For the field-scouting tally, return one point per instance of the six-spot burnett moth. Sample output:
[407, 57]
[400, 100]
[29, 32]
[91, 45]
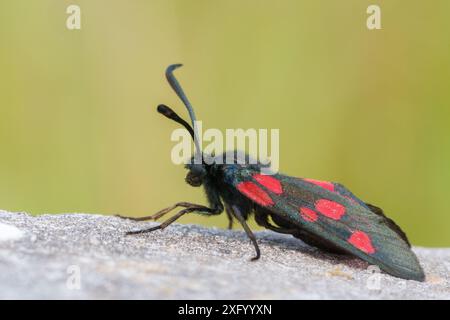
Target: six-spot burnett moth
[323, 214]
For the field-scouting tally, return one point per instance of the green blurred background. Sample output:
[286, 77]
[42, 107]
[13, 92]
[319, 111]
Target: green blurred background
[370, 109]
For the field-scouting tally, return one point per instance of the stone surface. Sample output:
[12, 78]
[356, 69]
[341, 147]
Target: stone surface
[86, 256]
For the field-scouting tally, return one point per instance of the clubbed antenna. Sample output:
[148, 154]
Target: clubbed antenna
[169, 113]
[180, 93]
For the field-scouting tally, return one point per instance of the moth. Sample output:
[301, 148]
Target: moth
[322, 214]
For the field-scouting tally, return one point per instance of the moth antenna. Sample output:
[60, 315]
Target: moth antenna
[169, 113]
[180, 93]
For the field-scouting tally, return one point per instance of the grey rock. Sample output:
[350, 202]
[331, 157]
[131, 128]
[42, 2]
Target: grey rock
[87, 256]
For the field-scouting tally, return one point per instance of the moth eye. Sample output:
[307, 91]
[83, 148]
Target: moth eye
[194, 179]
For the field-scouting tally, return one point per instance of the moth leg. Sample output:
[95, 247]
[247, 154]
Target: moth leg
[216, 208]
[262, 218]
[213, 199]
[168, 221]
[237, 213]
[164, 211]
[229, 216]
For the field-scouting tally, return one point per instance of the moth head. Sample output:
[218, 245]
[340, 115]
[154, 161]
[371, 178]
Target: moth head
[196, 174]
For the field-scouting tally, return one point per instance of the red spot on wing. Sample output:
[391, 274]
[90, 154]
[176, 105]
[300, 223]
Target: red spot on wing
[269, 182]
[361, 241]
[324, 184]
[308, 214]
[330, 209]
[255, 193]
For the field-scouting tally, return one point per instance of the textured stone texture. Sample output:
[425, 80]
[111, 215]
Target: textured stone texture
[86, 256]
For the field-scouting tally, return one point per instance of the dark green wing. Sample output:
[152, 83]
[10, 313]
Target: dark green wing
[331, 212]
